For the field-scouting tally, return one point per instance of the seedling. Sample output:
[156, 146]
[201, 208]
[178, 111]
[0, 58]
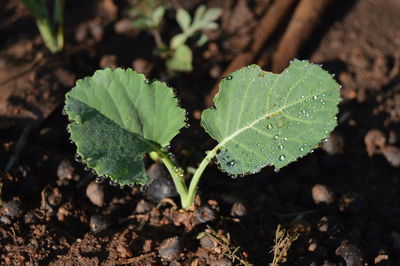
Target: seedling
[178, 55]
[259, 119]
[50, 24]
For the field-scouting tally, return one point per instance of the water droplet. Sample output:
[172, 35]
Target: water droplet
[303, 112]
[229, 77]
[99, 179]
[93, 171]
[234, 176]
[281, 157]
[315, 97]
[113, 183]
[262, 150]
[231, 163]
[276, 137]
[64, 112]
[143, 189]
[147, 81]
[187, 125]
[280, 147]
[78, 158]
[302, 97]
[269, 126]
[301, 148]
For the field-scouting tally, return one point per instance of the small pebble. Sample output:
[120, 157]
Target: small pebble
[392, 155]
[321, 194]
[65, 170]
[204, 214]
[5, 220]
[161, 186]
[30, 218]
[170, 249]
[142, 66]
[238, 209]
[206, 243]
[99, 223]
[333, 145]
[108, 61]
[350, 253]
[143, 206]
[95, 193]
[12, 208]
[123, 26]
[374, 141]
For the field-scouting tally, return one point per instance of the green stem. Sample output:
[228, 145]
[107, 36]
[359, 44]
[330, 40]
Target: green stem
[189, 200]
[174, 171]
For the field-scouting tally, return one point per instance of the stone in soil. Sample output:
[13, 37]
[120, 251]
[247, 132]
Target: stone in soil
[321, 194]
[12, 208]
[161, 186]
[143, 206]
[95, 193]
[99, 223]
[238, 209]
[334, 144]
[392, 155]
[350, 253]
[170, 249]
[204, 214]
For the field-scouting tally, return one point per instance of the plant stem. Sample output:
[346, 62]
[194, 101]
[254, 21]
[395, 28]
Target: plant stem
[189, 200]
[173, 169]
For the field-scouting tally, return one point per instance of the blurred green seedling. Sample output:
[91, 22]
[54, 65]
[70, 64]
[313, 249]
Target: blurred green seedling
[178, 56]
[50, 24]
[258, 119]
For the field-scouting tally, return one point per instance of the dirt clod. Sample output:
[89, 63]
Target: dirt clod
[99, 223]
[12, 208]
[321, 194]
[204, 214]
[392, 155]
[170, 249]
[350, 253]
[161, 186]
[95, 193]
[238, 209]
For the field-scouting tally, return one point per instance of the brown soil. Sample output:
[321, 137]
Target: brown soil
[341, 203]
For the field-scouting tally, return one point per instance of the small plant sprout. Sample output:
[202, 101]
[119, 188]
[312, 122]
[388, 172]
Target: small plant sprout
[259, 119]
[178, 55]
[50, 24]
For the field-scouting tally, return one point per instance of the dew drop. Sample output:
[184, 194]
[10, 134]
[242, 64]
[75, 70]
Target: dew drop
[276, 137]
[187, 125]
[280, 147]
[269, 126]
[113, 183]
[229, 77]
[99, 179]
[147, 81]
[301, 148]
[231, 163]
[315, 97]
[64, 112]
[281, 157]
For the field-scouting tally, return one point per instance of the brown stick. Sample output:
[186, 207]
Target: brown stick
[266, 27]
[301, 26]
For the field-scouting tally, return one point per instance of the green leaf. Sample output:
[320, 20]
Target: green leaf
[183, 19]
[178, 40]
[118, 116]
[157, 15]
[212, 14]
[263, 119]
[181, 60]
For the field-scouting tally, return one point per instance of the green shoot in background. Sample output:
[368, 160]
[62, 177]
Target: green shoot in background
[259, 119]
[178, 56]
[50, 24]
